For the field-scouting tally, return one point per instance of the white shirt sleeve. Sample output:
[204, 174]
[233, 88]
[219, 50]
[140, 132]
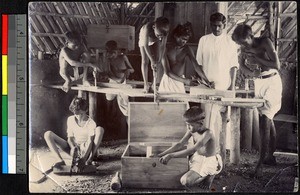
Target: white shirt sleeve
[91, 127]
[199, 56]
[234, 55]
[70, 132]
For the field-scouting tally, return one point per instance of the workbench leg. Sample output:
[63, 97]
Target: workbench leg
[223, 139]
[246, 128]
[92, 105]
[235, 135]
[255, 130]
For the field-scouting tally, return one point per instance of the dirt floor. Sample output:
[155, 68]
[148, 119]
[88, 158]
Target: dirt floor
[233, 178]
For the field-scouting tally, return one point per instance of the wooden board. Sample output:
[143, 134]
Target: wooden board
[65, 170]
[198, 90]
[98, 35]
[152, 122]
[138, 171]
[244, 100]
[36, 175]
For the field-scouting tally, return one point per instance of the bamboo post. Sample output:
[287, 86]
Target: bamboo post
[271, 21]
[255, 130]
[92, 105]
[246, 128]
[235, 135]
[278, 26]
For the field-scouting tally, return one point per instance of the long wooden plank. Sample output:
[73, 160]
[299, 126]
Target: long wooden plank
[245, 100]
[198, 90]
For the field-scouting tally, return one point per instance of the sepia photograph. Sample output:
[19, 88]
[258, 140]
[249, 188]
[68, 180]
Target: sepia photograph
[163, 97]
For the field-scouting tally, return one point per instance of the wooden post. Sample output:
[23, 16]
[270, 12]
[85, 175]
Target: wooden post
[122, 15]
[255, 130]
[159, 9]
[246, 128]
[222, 7]
[271, 22]
[235, 135]
[223, 139]
[278, 27]
[92, 105]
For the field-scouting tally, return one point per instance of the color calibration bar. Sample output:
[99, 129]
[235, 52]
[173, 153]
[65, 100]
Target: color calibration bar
[4, 94]
[13, 94]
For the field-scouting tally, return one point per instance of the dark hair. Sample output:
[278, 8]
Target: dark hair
[78, 103]
[73, 36]
[111, 45]
[241, 32]
[162, 23]
[183, 30]
[217, 17]
[194, 114]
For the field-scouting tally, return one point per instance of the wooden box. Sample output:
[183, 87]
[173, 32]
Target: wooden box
[152, 129]
[98, 35]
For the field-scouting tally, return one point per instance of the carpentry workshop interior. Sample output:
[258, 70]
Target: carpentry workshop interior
[163, 97]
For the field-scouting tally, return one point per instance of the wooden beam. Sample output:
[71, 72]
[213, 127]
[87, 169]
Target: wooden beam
[60, 8]
[293, 15]
[249, 17]
[58, 20]
[68, 16]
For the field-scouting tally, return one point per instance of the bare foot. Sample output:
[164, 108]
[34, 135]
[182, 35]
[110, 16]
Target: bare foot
[206, 183]
[66, 86]
[146, 89]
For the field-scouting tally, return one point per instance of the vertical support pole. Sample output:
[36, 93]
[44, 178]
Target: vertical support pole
[271, 22]
[255, 130]
[278, 27]
[235, 135]
[223, 139]
[222, 7]
[92, 105]
[122, 16]
[246, 128]
[159, 9]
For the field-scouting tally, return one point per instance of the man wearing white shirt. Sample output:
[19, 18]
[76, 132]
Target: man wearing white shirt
[217, 53]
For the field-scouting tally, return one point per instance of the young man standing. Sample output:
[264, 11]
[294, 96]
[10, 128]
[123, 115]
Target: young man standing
[259, 52]
[217, 53]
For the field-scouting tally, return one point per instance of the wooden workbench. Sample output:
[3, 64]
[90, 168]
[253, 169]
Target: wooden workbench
[129, 90]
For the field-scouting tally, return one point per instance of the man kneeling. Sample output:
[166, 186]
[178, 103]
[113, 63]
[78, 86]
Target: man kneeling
[204, 162]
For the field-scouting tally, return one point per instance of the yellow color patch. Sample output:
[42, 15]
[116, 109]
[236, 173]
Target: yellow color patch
[4, 74]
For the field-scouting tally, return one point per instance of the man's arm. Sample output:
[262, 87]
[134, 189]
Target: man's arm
[74, 62]
[169, 73]
[233, 78]
[198, 68]
[189, 151]
[82, 160]
[145, 43]
[128, 64]
[72, 144]
[178, 145]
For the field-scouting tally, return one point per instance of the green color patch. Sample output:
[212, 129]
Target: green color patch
[4, 115]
